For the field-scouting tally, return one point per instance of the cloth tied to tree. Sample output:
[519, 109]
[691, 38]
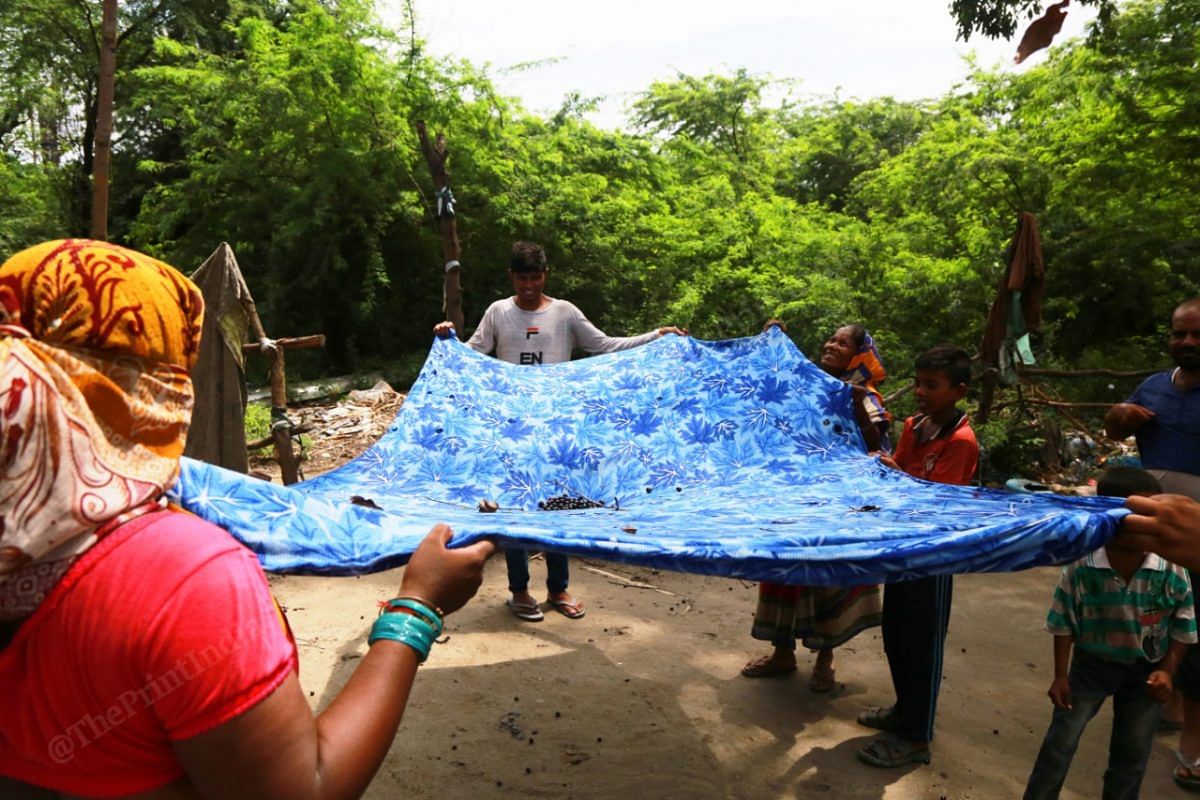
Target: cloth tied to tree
[96, 342]
[1017, 309]
[866, 370]
[445, 202]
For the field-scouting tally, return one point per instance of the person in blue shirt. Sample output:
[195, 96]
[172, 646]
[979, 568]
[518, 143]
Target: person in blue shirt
[1164, 411]
[1164, 414]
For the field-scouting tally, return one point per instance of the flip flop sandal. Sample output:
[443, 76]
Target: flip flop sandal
[571, 609]
[1190, 780]
[765, 668]
[880, 717]
[526, 611]
[893, 751]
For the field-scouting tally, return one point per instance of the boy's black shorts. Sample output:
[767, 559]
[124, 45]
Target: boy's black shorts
[1187, 679]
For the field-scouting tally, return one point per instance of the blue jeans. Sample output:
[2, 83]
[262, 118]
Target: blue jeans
[1135, 716]
[557, 572]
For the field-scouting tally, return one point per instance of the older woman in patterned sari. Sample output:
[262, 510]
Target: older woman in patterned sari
[824, 617]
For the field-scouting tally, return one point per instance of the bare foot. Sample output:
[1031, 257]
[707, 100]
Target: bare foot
[822, 678]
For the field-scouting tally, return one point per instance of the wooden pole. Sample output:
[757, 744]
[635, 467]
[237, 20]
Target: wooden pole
[991, 378]
[266, 440]
[1087, 373]
[104, 120]
[1062, 407]
[1033, 401]
[292, 343]
[281, 428]
[436, 155]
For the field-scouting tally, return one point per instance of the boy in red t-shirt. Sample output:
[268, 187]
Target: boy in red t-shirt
[936, 445]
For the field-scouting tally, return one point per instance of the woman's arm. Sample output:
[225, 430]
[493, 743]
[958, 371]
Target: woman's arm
[277, 749]
[870, 432]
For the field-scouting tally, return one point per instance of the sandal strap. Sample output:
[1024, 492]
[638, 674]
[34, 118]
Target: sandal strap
[886, 748]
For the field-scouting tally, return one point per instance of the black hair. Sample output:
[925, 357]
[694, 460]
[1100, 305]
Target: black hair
[949, 359]
[1126, 481]
[527, 257]
[858, 332]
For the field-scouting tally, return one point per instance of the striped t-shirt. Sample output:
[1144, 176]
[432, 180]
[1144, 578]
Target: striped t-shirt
[1119, 622]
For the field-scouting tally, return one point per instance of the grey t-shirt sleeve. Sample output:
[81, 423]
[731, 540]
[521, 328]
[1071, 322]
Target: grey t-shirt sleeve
[594, 340]
[483, 340]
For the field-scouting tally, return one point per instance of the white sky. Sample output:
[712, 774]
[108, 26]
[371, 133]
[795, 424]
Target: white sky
[616, 48]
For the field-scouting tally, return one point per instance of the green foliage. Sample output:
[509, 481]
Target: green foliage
[286, 129]
[258, 426]
[258, 422]
[30, 210]
[998, 19]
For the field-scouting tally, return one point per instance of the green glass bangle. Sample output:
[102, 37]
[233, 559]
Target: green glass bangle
[417, 607]
[406, 629]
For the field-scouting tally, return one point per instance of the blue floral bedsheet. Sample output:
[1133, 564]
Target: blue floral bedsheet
[737, 458]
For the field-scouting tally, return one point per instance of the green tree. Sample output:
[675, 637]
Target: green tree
[829, 145]
[50, 54]
[998, 19]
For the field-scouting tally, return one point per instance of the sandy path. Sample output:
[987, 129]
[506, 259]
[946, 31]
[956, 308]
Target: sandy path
[642, 698]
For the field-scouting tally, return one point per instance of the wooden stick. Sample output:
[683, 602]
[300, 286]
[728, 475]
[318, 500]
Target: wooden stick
[620, 580]
[266, 440]
[1087, 373]
[1062, 409]
[908, 387]
[1064, 404]
[991, 379]
[281, 434]
[289, 343]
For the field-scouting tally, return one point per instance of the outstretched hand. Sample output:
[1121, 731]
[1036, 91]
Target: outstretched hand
[884, 459]
[443, 329]
[1164, 524]
[672, 329]
[444, 577]
[774, 323]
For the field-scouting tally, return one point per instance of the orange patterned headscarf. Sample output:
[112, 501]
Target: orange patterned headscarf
[96, 343]
[866, 370]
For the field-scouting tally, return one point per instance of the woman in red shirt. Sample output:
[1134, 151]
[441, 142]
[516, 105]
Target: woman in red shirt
[140, 649]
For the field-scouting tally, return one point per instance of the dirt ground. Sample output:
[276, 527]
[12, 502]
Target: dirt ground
[642, 697]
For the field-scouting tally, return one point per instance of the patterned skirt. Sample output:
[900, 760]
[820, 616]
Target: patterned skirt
[819, 616]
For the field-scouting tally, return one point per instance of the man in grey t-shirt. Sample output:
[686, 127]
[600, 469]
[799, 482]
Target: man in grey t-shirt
[531, 328]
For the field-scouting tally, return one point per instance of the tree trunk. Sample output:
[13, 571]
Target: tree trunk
[436, 154]
[104, 120]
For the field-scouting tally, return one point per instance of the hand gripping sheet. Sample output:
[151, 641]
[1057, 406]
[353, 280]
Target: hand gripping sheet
[737, 458]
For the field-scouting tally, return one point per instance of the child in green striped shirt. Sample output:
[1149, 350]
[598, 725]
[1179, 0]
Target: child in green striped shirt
[1128, 615]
